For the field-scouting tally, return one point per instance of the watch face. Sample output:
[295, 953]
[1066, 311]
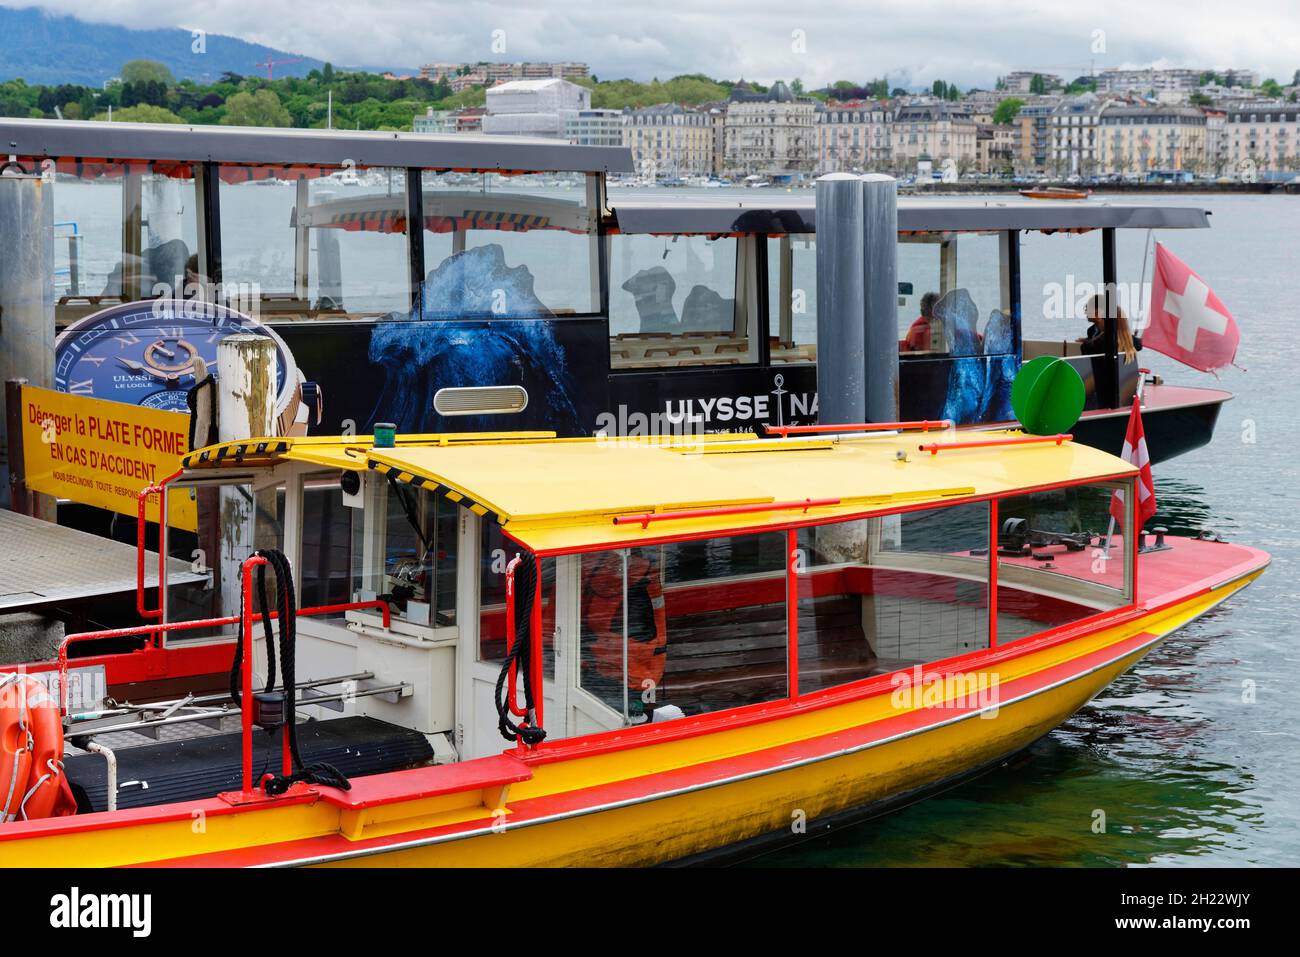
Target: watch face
[143, 352]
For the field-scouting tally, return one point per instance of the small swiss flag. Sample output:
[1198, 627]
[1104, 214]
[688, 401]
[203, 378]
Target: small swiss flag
[1135, 453]
[1188, 322]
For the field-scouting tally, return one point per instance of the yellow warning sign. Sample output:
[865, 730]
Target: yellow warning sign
[103, 453]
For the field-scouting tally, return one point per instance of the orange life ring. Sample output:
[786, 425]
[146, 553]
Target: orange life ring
[32, 782]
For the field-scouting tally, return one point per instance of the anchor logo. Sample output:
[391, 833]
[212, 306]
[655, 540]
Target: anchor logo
[779, 379]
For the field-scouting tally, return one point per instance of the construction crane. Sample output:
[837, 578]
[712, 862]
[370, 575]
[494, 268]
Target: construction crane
[270, 64]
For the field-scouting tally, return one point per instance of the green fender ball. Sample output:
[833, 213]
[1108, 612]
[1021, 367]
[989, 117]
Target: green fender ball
[1047, 396]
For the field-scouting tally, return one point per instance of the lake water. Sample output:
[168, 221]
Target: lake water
[1187, 772]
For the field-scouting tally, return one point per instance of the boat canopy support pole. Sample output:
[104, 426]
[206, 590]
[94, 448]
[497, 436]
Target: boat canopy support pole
[1110, 398]
[857, 289]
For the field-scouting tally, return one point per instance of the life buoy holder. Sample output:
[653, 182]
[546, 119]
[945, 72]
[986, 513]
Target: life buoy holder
[32, 782]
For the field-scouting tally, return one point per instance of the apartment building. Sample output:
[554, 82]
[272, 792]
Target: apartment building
[936, 130]
[770, 134]
[669, 140]
[1266, 135]
[853, 136]
[1138, 139]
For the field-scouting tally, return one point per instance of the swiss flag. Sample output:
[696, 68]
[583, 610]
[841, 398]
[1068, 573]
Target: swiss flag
[1187, 321]
[1135, 453]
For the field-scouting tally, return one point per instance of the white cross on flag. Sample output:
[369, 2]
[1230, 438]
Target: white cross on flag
[1135, 453]
[1188, 322]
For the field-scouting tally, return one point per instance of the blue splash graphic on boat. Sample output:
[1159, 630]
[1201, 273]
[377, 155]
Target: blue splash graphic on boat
[503, 336]
[981, 371]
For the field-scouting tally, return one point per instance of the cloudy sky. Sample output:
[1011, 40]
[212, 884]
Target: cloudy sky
[910, 41]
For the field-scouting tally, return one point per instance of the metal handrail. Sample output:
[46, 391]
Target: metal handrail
[934, 448]
[645, 518]
[155, 629]
[918, 425]
[142, 502]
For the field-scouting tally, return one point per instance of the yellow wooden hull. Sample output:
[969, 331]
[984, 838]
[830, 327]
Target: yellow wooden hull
[586, 820]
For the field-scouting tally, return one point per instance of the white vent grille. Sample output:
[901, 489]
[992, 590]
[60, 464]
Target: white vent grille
[481, 400]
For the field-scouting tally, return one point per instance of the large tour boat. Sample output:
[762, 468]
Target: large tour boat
[668, 649]
[486, 283]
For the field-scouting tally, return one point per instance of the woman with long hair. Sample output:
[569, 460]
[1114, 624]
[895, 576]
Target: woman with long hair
[1095, 340]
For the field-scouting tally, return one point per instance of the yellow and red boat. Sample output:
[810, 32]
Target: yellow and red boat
[513, 649]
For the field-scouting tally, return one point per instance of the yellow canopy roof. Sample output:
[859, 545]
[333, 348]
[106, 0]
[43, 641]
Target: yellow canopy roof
[564, 494]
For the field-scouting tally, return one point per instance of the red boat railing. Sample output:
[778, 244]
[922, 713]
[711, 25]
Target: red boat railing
[645, 518]
[142, 502]
[918, 425]
[934, 448]
[154, 631]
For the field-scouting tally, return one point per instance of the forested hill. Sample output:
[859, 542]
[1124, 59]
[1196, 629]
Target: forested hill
[44, 48]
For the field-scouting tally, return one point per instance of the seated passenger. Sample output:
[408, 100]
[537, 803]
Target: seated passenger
[1095, 339]
[918, 336]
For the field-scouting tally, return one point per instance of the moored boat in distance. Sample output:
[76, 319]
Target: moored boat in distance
[669, 649]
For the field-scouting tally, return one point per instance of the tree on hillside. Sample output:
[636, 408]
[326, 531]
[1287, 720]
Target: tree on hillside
[259, 108]
[147, 71]
[142, 113]
[1037, 84]
[1007, 110]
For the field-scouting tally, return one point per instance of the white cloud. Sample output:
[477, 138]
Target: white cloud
[970, 43]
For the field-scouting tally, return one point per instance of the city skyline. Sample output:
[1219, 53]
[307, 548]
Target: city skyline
[910, 44]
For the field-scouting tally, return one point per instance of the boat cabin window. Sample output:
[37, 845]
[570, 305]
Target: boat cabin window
[509, 247]
[699, 626]
[954, 295]
[1053, 565]
[680, 301]
[325, 574]
[123, 231]
[884, 593]
[404, 548]
[792, 298]
[311, 242]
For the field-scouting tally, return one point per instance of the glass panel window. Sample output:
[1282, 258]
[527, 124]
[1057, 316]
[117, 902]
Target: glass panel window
[405, 552]
[325, 576]
[792, 298]
[1054, 566]
[303, 242]
[880, 594]
[122, 232]
[508, 247]
[686, 628]
[954, 296]
[677, 301]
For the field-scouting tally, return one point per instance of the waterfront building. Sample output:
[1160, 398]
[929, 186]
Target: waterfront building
[1267, 135]
[594, 127]
[997, 146]
[1035, 135]
[1073, 125]
[669, 140]
[1138, 139]
[770, 134]
[933, 129]
[853, 136]
[534, 107]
